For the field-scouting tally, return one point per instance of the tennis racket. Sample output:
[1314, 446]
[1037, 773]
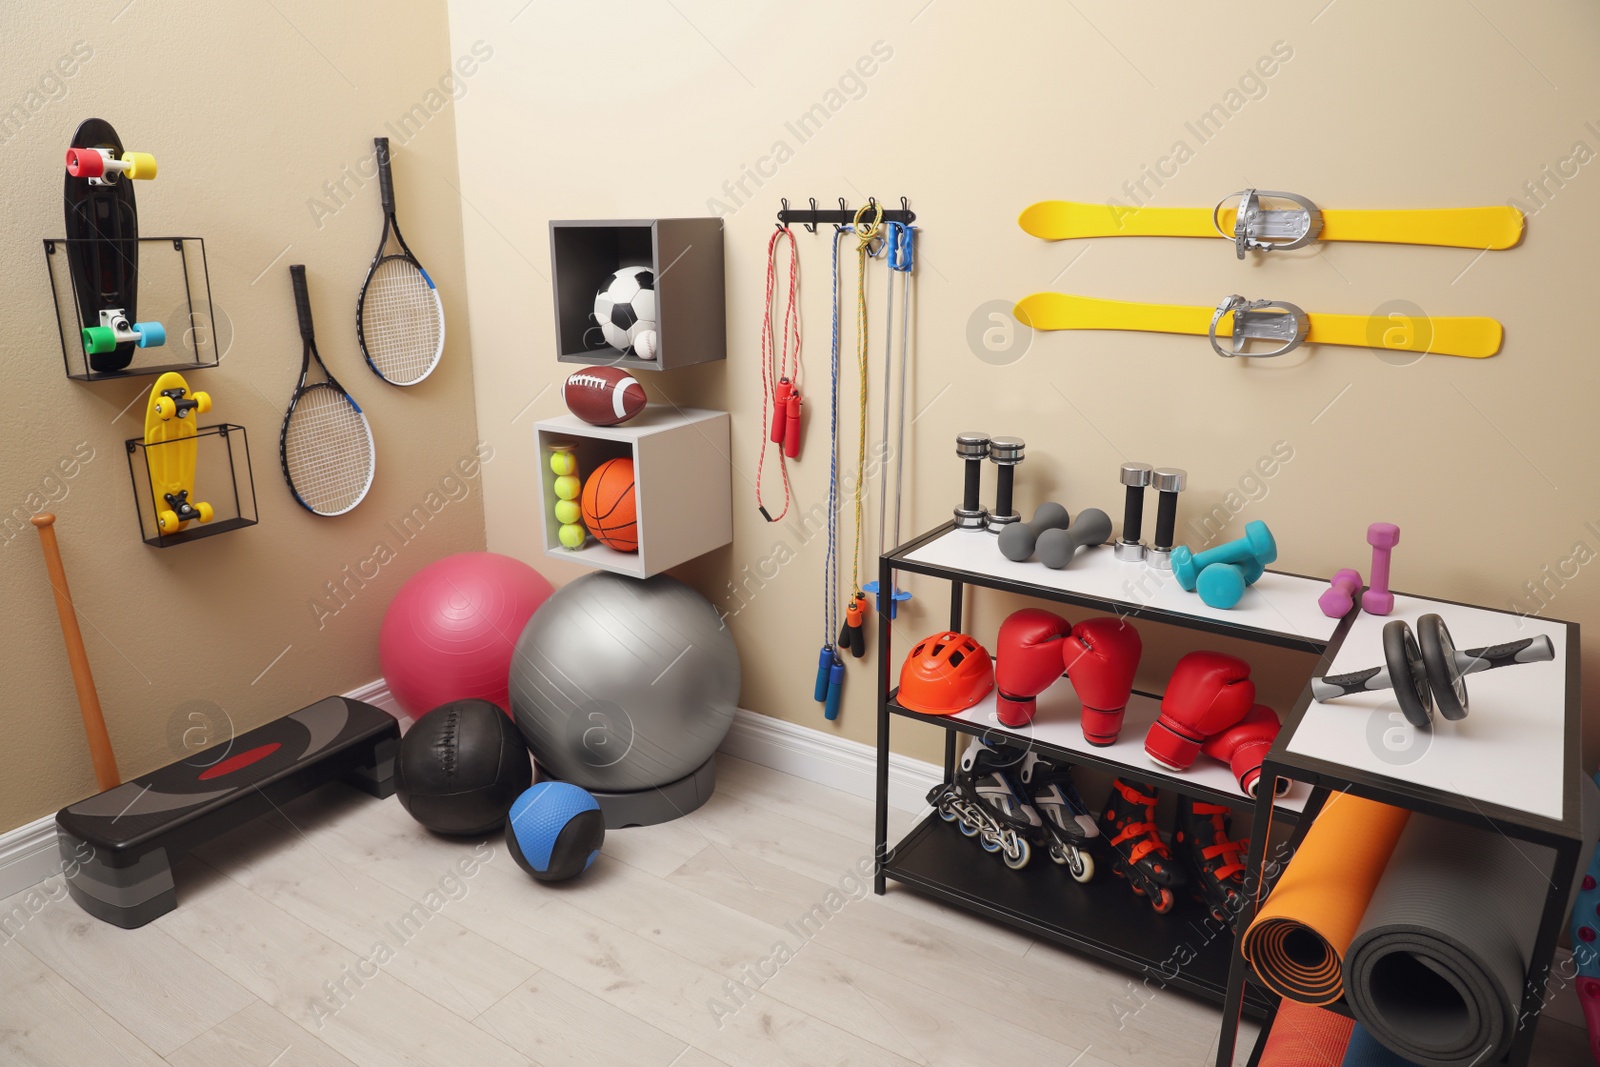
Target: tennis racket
[325, 445]
[399, 319]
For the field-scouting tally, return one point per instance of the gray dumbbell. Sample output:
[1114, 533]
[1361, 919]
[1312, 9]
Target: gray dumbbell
[1057, 547]
[1017, 539]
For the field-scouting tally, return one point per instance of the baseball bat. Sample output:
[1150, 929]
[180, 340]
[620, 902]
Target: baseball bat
[94, 722]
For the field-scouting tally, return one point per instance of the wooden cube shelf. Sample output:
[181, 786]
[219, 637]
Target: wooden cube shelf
[683, 485]
[685, 255]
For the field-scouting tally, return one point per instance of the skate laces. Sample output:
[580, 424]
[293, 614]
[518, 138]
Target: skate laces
[1232, 865]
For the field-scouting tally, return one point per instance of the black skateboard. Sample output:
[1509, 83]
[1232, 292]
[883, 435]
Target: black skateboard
[103, 245]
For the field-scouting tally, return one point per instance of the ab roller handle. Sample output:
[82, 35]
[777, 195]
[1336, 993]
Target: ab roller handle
[1467, 661]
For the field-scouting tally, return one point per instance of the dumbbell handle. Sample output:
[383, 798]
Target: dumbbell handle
[1468, 661]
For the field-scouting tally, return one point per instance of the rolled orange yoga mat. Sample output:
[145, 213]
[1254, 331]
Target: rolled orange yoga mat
[1298, 941]
[1303, 1036]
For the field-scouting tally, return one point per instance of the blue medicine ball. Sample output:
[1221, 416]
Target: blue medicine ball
[555, 831]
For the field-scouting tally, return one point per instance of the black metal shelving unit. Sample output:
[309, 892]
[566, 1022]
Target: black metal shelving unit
[1103, 919]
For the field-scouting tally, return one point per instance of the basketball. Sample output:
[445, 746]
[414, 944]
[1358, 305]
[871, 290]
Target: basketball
[609, 510]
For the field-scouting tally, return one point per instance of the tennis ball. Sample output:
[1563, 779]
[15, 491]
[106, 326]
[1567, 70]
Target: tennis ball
[568, 512]
[563, 463]
[572, 535]
[568, 487]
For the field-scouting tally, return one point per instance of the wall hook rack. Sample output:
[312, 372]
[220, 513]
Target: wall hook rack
[811, 217]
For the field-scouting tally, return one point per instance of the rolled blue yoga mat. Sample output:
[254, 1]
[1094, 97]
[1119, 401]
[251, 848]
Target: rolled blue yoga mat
[1364, 1051]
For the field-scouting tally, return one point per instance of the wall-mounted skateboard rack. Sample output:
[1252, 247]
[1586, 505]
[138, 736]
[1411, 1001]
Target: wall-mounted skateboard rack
[174, 292]
[222, 480]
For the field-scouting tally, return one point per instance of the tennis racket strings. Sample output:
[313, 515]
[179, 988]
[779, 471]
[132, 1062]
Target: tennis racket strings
[402, 324]
[327, 451]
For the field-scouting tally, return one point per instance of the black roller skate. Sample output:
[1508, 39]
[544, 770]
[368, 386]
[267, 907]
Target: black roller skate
[1215, 860]
[987, 802]
[1067, 822]
[1137, 851]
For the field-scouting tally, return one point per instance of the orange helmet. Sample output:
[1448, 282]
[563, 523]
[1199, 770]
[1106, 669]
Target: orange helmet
[944, 674]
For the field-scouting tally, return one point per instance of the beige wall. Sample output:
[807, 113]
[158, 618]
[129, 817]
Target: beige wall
[976, 110]
[249, 109]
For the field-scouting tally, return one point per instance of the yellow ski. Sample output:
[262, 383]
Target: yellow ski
[1292, 224]
[1237, 322]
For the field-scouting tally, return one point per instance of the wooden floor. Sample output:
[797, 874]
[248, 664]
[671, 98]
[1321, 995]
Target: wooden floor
[339, 932]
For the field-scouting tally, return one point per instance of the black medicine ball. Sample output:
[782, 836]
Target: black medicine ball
[460, 766]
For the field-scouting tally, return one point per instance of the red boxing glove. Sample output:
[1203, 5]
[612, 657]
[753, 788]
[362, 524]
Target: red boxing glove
[1244, 746]
[1027, 660]
[1101, 656]
[780, 410]
[1208, 692]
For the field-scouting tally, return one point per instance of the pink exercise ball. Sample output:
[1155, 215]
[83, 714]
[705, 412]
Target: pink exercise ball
[450, 632]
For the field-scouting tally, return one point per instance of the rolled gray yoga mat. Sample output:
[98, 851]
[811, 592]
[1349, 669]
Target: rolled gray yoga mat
[1436, 970]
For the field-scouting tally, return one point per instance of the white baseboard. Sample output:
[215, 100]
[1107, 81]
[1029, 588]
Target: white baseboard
[28, 855]
[828, 759]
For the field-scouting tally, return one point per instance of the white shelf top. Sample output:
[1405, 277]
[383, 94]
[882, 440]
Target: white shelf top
[1277, 603]
[1058, 723]
[1510, 750]
[653, 419]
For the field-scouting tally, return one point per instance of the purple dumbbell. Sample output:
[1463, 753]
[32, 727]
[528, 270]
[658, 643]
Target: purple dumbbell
[1340, 596]
[1382, 536]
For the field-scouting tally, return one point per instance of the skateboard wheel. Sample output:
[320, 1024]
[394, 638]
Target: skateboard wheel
[166, 407]
[98, 340]
[206, 512]
[141, 165]
[85, 163]
[202, 402]
[151, 334]
[168, 521]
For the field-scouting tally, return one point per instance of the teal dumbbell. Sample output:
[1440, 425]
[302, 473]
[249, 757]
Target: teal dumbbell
[1255, 549]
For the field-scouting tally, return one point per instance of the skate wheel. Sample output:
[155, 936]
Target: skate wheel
[1057, 854]
[1018, 859]
[988, 845]
[966, 828]
[945, 813]
[166, 407]
[205, 511]
[168, 521]
[98, 340]
[1164, 902]
[1083, 870]
[202, 402]
[151, 334]
[85, 163]
[141, 165]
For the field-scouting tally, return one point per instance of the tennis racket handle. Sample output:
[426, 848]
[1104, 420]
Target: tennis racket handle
[791, 427]
[302, 299]
[1528, 650]
[780, 410]
[385, 179]
[824, 663]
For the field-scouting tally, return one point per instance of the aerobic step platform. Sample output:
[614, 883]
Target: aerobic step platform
[118, 848]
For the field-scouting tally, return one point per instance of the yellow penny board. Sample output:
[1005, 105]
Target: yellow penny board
[1470, 336]
[1466, 227]
[170, 447]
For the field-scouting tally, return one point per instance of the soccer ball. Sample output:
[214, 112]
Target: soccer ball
[625, 306]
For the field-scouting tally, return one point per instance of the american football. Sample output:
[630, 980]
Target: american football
[603, 396]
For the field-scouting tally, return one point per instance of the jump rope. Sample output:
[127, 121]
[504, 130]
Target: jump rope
[781, 423]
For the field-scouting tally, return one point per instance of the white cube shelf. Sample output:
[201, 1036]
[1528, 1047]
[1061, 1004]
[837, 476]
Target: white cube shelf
[682, 485]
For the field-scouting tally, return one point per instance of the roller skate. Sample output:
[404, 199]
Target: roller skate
[1067, 822]
[1216, 861]
[1137, 851]
[987, 802]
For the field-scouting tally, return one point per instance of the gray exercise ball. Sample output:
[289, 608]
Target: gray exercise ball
[624, 684]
